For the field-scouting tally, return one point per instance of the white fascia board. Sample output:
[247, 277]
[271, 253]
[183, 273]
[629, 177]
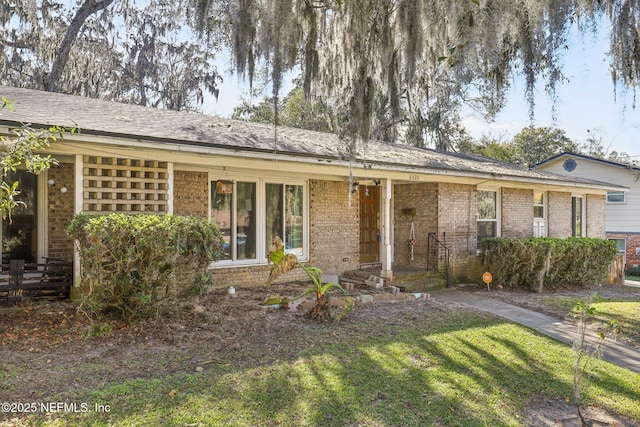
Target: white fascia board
[194, 154]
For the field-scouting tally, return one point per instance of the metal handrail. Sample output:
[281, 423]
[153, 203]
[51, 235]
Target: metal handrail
[438, 254]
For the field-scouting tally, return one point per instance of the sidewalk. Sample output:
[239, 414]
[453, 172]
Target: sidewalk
[632, 283]
[614, 352]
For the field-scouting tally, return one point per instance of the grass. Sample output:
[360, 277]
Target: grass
[625, 313]
[562, 304]
[465, 369]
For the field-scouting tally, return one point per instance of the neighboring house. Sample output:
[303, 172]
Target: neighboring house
[297, 186]
[622, 206]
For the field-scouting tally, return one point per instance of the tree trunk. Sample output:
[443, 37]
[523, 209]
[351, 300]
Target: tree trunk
[322, 310]
[88, 8]
[546, 266]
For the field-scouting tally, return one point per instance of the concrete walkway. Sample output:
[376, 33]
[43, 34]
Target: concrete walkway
[614, 352]
[632, 283]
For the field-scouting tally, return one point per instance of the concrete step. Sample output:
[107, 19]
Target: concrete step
[415, 276]
[361, 275]
[422, 285]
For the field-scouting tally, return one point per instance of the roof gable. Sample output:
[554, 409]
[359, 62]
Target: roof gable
[605, 162]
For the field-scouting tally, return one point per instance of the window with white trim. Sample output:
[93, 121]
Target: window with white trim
[284, 216]
[577, 216]
[487, 215]
[621, 245]
[540, 214]
[250, 214]
[616, 197]
[232, 206]
[539, 205]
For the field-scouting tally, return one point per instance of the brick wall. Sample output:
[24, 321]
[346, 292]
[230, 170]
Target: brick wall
[191, 193]
[517, 212]
[334, 227]
[424, 198]
[596, 208]
[457, 225]
[251, 276]
[559, 216]
[61, 211]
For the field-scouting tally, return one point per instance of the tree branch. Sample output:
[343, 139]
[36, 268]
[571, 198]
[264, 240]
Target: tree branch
[88, 8]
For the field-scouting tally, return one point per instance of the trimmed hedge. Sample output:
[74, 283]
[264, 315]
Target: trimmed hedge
[131, 263]
[537, 263]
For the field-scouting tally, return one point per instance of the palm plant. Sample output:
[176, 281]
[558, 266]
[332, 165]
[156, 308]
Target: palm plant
[321, 312]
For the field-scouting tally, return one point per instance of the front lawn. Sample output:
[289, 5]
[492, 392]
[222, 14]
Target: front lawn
[625, 312]
[432, 366]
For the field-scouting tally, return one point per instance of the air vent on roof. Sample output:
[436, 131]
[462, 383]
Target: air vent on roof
[219, 125]
[123, 119]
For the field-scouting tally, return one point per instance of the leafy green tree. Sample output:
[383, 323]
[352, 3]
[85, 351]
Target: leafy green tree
[293, 111]
[489, 147]
[22, 149]
[533, 145]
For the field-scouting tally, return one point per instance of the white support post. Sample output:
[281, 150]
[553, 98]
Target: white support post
[78, 206]
[170, 188]
[387, 246]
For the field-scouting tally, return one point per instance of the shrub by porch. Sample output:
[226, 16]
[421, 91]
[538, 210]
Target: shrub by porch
[131, 263]
[534, 263]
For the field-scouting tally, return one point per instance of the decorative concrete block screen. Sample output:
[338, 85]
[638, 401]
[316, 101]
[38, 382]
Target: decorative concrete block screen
[113, 184]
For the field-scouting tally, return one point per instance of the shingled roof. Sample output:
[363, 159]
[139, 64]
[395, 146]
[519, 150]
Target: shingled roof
[107, 118]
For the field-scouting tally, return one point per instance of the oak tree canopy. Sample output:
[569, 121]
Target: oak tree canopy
[386, 69]
[136, 52]
[391, 66]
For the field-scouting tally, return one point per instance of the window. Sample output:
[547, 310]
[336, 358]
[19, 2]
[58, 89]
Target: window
[285, 216]
[621, 244]
[251, 214]
[616, 197]
[577, 217]
[539, 215]
[538, 205]
[487, 215]
[19, 234]
[232, 206]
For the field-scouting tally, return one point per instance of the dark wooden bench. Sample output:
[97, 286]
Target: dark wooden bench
[51, 280]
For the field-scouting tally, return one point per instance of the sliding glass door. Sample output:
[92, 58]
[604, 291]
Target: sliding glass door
[19, 233]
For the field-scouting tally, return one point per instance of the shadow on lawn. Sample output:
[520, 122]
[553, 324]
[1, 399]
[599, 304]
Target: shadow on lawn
[427, 367]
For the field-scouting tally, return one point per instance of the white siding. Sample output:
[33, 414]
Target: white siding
[624, 217]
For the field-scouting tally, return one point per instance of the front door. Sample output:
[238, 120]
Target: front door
[19, 238]
[369, 224]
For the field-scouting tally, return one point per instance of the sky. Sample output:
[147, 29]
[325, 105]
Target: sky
[587, 104]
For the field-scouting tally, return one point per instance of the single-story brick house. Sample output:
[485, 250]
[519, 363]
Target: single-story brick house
[129, 158]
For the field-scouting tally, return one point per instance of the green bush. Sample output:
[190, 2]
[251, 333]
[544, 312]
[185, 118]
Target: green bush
[633, 271]
[131, 263]
[534, 263]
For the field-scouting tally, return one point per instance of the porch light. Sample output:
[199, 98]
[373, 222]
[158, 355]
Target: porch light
[224, 187]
